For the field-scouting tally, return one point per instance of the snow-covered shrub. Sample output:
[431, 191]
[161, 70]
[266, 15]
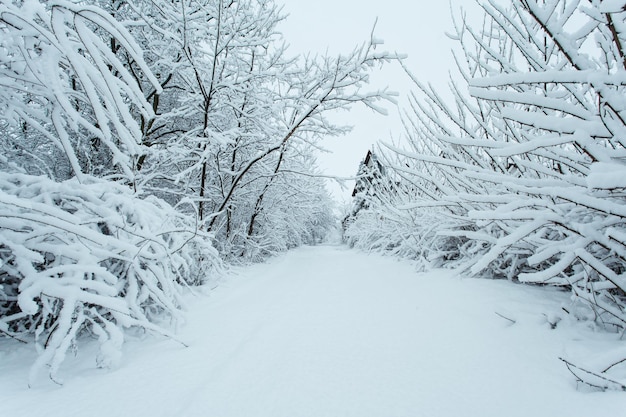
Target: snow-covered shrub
[408, 232]
[91, 258]
[403, 213]
[68, 105]
[527, 172]
[556, 214]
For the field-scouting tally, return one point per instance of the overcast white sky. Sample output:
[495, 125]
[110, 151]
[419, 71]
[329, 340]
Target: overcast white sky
[414, 27]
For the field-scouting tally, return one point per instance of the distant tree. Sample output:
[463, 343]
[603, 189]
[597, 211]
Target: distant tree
[370, 178]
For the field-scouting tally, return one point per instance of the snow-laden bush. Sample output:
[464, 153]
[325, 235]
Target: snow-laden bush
[527, 172]
[402, 214]
[68, 105]
[405, 232]
[558, 214]
[91, 259]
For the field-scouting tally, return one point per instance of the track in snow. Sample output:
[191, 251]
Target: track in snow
[327, 331]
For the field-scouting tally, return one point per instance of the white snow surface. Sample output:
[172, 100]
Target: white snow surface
[606, 175]
[329, 331]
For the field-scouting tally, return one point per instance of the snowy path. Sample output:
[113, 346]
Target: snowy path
[327, 331]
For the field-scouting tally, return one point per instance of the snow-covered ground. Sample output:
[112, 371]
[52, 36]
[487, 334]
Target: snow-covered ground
[328, 331]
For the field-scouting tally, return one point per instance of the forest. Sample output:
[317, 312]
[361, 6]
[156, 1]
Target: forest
[146, 145]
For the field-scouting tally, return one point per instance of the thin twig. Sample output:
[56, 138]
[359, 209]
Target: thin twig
[574, 369]
[506, 318]
[13, 337]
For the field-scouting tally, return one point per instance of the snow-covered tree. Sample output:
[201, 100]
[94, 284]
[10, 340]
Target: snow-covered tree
[235, 109]
[526, 173]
